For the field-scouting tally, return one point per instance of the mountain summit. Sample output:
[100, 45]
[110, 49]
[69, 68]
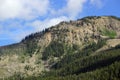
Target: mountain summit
[69, 50]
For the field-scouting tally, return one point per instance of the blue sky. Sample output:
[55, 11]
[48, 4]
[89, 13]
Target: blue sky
[19, 18]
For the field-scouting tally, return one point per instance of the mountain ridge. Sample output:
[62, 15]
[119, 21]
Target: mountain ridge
[41, 50]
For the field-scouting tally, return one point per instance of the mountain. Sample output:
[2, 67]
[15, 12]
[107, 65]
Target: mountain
[85, 49]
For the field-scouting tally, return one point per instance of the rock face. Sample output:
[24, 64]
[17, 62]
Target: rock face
[82, 31]
[26, 57]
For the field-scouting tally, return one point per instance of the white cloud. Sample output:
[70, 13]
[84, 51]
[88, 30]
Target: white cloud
[26, 9]
[40, 25]
[74, 7]
[31, 9]
[9, 8]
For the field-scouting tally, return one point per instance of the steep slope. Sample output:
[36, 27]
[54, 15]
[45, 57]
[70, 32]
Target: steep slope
[43, 50]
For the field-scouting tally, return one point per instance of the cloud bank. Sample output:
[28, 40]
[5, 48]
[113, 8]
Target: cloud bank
[23, 9]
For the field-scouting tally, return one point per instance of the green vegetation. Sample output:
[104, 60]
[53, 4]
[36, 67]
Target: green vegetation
[13, 49]
[27, 67]
[54, 49]
[31, 42]
[57, 49]
[102, 66]
[22, 58]
[111, 72]
[87, 51]
[81, 65]
[109, 33]
[31, 47]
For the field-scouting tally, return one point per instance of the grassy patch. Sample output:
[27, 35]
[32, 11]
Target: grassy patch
[109, 33]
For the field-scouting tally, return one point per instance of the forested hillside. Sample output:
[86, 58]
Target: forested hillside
[85, 49]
